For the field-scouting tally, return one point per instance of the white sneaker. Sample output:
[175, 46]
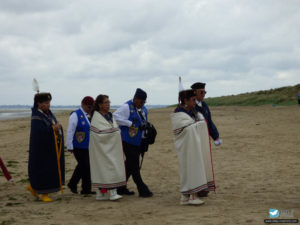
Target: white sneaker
[114, 195]
[184, 199]
[194, 200]
[101, 196]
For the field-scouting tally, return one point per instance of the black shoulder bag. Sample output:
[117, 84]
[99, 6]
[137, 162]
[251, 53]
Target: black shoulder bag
[149, 135]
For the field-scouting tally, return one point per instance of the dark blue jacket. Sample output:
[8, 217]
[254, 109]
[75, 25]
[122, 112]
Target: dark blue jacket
[213, 131]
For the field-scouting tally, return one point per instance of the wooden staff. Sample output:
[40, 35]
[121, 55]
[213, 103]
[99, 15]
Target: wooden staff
[58, 154]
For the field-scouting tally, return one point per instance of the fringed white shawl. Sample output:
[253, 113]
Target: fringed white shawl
[106, 153]
[192, 144]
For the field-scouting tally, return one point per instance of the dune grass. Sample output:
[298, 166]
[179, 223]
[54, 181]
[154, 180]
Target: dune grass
[280, 96]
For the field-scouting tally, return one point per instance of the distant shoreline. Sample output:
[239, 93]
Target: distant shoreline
[18, 107]
[9, 112]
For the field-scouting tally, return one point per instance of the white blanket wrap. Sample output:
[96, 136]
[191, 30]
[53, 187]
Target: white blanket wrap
[192, 144]
[106, 154]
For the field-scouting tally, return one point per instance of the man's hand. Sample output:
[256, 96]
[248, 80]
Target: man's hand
[57, 127]
[143, 126]
[218, 142]
[134, 122]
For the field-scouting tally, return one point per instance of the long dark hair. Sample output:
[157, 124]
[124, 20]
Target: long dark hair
[99, 100]
[187, 94]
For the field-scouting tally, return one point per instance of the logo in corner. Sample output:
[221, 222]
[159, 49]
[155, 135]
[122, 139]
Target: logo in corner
[273, 213]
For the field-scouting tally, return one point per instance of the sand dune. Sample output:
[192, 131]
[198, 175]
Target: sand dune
[256, 168]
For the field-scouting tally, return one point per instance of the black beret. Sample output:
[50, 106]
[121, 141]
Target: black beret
[198, 85]
[140, 94]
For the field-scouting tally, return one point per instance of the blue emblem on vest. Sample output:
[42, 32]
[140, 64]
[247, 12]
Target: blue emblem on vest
[82, 133]
[133, 134]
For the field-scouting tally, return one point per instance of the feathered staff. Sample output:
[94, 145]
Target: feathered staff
[35, 85]
[58, 148]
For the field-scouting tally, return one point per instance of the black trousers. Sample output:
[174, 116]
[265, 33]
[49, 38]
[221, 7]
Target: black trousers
[132, 165]
[82, 170]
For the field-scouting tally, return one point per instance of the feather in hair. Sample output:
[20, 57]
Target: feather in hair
[35, 85]
[180, 86]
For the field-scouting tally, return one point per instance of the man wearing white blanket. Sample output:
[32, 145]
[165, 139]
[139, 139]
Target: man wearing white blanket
[106, 152]
[191, 141]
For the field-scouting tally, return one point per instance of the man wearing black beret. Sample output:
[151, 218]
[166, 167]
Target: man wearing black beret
[202, 107]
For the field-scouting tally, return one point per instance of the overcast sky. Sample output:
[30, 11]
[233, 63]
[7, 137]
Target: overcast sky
[90, 47]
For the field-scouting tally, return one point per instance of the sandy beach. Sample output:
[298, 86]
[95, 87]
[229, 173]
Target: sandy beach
[256, 169]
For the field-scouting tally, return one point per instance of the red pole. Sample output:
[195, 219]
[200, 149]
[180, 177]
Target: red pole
[5, 171]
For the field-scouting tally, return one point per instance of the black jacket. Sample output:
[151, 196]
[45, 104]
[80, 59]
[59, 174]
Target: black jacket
[213, 131]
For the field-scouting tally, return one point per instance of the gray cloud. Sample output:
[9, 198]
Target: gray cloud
[77, 48]
[29, 6]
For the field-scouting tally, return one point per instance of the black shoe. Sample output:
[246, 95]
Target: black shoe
[88, 192]
[73, 189]
[146, 194]
[144, 191]
[203, 193]
[124, 191]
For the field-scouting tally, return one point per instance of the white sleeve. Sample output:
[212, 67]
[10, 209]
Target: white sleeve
[121, 115]
[73, 120]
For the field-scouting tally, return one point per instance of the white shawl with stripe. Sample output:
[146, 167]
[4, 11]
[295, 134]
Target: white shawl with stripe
[191, 141]
[106, 153]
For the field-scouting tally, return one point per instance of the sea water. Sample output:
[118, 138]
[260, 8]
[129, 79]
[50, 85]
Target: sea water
[17, 113]
[8, 113]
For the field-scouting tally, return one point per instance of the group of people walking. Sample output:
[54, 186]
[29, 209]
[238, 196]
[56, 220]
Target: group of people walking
[107, 146]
